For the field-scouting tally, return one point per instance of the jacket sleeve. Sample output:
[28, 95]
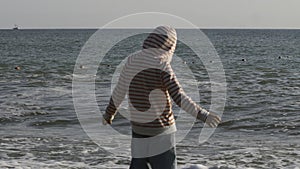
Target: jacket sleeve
[117, 96]
[175, 90]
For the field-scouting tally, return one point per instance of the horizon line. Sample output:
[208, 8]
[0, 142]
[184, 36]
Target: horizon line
[95, 28]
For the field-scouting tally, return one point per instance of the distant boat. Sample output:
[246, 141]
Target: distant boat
[16, 27]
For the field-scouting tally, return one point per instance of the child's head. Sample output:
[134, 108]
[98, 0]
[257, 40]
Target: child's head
[163, 37]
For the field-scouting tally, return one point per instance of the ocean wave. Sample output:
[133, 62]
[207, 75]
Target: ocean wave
[19, 117]
[54, 123]
[33, 113]
[5, 120]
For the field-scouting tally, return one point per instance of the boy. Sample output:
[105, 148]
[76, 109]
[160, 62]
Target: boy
[149, 81]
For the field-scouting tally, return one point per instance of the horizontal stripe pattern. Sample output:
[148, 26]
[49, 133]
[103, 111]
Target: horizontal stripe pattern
[149, 81]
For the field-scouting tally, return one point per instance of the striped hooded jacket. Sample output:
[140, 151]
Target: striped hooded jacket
[149, 81]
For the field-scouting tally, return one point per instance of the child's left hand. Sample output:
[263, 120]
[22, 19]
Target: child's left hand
[213, 119]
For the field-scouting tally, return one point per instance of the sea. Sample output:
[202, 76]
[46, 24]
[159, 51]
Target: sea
[260, 129]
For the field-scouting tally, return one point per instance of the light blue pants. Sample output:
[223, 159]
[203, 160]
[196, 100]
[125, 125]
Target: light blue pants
[166, 160]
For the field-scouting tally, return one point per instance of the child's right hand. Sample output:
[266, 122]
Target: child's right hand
[109, 121]
[213, 120]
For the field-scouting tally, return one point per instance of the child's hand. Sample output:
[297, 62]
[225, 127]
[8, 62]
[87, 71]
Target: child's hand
[213, 119]
[107, 121]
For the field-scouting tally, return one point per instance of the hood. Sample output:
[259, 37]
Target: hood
[163, 37]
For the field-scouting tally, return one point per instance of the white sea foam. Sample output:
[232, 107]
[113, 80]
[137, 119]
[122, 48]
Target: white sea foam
[197, 166]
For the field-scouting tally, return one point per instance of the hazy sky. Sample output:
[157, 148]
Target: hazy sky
[203, 13]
